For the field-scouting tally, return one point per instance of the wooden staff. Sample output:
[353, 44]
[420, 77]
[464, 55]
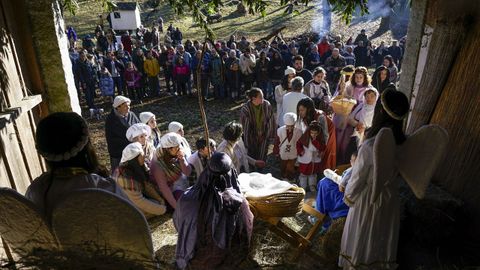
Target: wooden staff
[199, 90]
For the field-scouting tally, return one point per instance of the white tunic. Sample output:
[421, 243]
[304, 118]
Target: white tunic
[196, 162]
[370, 235]
[288, 148]
[290, 101]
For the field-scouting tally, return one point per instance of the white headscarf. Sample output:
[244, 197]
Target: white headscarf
[136, 130]
[119, 100]
[174, 126]
[365, 115]
[131, 151]
[170, 139]
[146, 116]
[290, 118]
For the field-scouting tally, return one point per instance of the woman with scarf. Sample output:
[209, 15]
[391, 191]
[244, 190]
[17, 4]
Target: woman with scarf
[213, 220]
[148, 118]
[381, 79]
[318, 89]
[306, 114]
[170, 168]
[140, 133]
[132, 176]
[258, 122]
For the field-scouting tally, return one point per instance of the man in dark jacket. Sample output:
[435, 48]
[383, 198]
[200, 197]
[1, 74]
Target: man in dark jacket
[116, 69]
[116, 125]
[300, 71]
[361, 55]
[84, 72]
[396, 52]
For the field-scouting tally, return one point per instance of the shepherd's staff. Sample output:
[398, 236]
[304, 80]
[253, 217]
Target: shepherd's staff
[199, 90]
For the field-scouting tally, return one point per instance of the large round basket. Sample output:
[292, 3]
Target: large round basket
[342, 105]
[285, 204]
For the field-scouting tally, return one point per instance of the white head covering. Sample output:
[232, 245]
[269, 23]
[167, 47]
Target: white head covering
[138, 129]
[119, 100]
[174, 126]
[365, 116]
[146, 116]
[290, 70]
[131, 151]
[289, 118]
[170, 139]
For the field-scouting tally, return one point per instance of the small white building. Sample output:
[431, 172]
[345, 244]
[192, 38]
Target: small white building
[126, 16]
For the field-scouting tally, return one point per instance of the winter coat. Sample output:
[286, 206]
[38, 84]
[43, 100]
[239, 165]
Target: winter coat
[132, 78]
[106, 85]
[261, 70]
[216, 71]
[116, 130]
[151, 67]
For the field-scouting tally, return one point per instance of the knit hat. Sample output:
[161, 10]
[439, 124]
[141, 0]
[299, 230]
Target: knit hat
[290, 70]
[61, 136]
[131, 151]
[119, 100]
[289, 118]
[146, 116]
[174, 126]
[170, 139]
[395, 103]
[136, 130]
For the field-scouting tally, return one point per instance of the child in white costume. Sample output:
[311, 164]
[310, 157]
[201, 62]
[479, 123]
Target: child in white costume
[285, 145]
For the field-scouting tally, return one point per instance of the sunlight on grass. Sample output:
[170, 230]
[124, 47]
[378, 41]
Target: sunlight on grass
[254, 26]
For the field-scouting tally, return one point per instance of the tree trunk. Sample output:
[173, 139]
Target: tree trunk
[412, 50]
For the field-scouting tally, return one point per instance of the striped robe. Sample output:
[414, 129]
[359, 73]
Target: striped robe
[257, 146]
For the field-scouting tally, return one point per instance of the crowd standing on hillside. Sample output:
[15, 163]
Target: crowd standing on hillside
[302, 77]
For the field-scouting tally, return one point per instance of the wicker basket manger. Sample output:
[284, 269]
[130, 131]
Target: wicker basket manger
[342, 105]
[285, 204]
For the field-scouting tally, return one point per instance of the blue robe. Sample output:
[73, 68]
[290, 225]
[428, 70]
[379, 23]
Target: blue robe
[330, 199]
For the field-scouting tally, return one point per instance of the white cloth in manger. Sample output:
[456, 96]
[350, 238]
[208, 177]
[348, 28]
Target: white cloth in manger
[254, 185]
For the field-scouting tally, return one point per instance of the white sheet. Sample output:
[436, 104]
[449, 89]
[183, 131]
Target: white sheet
[254, 185]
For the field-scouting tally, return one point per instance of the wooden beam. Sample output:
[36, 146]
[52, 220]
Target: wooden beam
[25, 105]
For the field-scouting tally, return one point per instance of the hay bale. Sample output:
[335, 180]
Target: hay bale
[332, 240]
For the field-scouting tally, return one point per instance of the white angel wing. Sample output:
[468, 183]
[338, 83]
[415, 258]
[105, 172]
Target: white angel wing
[384, 152]
[419, 156]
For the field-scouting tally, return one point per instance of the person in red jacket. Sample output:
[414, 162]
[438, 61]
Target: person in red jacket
[323, 46]
[181, 74]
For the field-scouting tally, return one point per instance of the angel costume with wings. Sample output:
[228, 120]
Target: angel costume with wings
[370, 236]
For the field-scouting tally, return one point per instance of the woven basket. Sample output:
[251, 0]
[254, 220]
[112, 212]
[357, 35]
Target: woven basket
[342, 105]
[285, 204]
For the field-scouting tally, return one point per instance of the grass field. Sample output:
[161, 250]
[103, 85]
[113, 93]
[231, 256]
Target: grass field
[253, 26]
